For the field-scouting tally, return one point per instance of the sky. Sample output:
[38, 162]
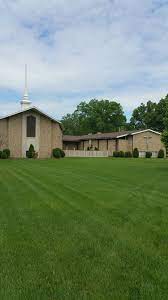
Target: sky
[77, 50]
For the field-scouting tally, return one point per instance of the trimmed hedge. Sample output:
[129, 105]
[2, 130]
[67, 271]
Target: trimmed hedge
[4, 155]
[7, 151]
[135, 153]
[122, 154]
[115, 154]
[58, 153]
[128, 154]
[161, 153]
[148, 154]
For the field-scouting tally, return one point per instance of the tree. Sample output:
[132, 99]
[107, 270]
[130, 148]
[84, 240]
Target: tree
[164, 139]
[137, 120]
[151, 115]
[161, 119]
[144, 116]
[95, 116]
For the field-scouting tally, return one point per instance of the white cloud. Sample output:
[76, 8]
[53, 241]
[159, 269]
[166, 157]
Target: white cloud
[77, 50]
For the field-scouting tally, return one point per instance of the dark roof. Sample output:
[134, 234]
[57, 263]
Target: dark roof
[72, 138]
[103, 136]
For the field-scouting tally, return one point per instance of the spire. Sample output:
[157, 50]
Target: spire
[25, 102]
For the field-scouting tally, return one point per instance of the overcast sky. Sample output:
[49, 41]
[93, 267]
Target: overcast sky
[82, 49]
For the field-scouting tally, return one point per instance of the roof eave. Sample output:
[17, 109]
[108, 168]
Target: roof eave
[35, 109]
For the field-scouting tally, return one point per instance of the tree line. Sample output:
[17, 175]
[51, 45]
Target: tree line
[107, 116]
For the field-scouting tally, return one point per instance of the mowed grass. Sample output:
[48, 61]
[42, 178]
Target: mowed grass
[84, 229]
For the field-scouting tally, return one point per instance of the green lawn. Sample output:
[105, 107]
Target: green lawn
[84, 229]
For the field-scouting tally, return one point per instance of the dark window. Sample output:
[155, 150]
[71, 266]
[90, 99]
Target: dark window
[31, 126]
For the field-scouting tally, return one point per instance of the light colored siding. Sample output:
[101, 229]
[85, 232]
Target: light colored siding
[56, 136]
[154, 141]
[103, 145]
[3, 134]
[45, 137]
[15, 135]
[112, 145]
[122, 145]
[130, 143]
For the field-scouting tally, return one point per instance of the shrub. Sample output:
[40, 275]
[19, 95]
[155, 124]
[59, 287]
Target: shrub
[118, 154]
[115, 154]
[57, 153]
[161, 153]
[128, 154]
[121, 154]
[148, 154]
[31, 152]
[135, 153]
[7, 151]
[62, 153]
[0, 154]
[4, 155]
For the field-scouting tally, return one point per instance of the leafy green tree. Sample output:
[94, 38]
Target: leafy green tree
[137, 120]
[164, 139]
[151, 115]
[144, 116]
[95, 116]
[161, 119]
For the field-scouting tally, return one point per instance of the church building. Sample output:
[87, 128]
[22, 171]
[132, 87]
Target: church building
[30, 126]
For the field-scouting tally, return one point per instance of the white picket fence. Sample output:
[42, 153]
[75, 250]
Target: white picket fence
[84, 153]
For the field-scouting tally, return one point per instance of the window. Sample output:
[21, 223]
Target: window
[31, 126]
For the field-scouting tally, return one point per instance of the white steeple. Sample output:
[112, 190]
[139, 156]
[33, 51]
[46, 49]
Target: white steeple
[25, 102]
